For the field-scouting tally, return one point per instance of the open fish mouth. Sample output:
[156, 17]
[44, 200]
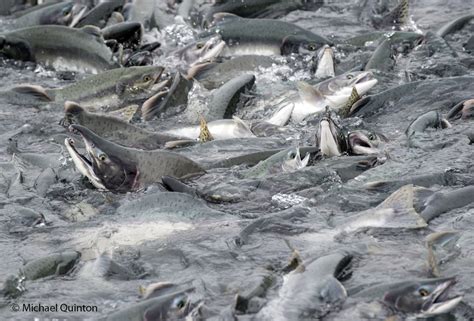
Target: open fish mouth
[367, 76]
[82, 163]
[212, 49]
[360, 144]
[440, 302]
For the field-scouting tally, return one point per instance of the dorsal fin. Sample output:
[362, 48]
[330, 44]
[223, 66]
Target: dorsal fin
[223, 16]
[241, 123]
[204, 133]
[399, 15]
[71, 107]
[33, 90]
[308, 93]
[354, 97]
[92, 30]
[345, 111]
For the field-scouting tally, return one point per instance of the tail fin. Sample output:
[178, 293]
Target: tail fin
[396, 211]
[400, 210]
[33, 90]
[398, 16]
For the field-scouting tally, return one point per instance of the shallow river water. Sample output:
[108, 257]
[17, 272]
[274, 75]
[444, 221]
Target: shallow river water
[199, 241]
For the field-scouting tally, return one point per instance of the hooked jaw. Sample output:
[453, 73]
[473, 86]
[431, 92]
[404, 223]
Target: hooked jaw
[328, 144]
[439, 302]
[83, 165]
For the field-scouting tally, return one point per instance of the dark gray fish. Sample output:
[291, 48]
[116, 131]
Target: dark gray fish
[61, 13]
[174, 96]
[444, 178]
[215, 74]
[129, 34]
[371, 105]
[464, 110]
[445, 201]
[381, 59]
[223, 101]
[455, 25]
[287, 160]
[256, 157]
[44, 181]
[122, 169]
[59, 47]
[421, 297]
[172, 306]
[261, 8]
[110, 90]
[99, 15]
[149, 13]
[379, 36]
[264, 36]
[314, 290]
[442, 247]
[115, 129]
[55, 264]
[431, 119]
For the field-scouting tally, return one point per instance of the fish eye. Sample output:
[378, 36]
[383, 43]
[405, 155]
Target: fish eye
[371, 136]
[423, 292]
[349, 76]
[102, 157]
[199, 45]
[147, 78]
[179, 303]
[312, 47]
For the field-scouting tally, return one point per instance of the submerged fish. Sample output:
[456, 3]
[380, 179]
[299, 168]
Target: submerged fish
[310, 291]
[56, 264]
[286, 160]
[171, 306]
[261, 8]
[423, 298]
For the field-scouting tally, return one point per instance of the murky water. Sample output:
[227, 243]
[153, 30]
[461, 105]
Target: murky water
[194, 242]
